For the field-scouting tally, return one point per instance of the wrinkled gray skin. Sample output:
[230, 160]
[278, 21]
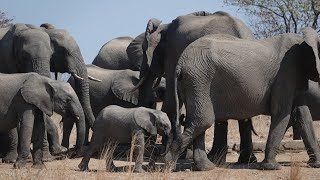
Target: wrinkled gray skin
[123, 125]
[113, 55]
[27, 48]
[164, 43]
[213, 65]
[312, 100]
[114, 89]
[22, 96]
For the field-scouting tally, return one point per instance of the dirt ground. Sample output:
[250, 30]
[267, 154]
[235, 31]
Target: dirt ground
[294, 163]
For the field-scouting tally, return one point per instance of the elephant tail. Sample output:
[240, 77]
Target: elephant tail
[252, 128]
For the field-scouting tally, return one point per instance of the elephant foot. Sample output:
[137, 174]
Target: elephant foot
[218, 159]
[264, 165]
[19, 164]
[247, 159]
[314, 164]
[38, 166]
[139, 170]
[203, 166]
[58, 150]
[47, 157]
[83, 166]
[10, 157]
[170, 162]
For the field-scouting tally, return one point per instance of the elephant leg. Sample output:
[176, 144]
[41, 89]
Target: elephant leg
[201, 161]
[246, 147]
[47, 157]
[97, 141]
[12, 153]
[138, 151]
[38, 140]
[219, 149]
[279, 122]
[53, 138]
[86, 139]
[67, 128]
[304, 120]
[296, 131]
[24, 137]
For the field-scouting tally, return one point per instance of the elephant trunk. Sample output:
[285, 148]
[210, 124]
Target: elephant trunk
[82, 89]
[40, 66]
[81, 129]
[145, 91]
[169, 137]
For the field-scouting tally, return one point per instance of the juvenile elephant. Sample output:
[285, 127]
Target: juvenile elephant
[22, 95]
[28, 48]
[115, 55]
[115, 88]
[211, 66]
[125, 125]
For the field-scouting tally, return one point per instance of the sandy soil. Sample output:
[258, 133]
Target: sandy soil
[294, 164]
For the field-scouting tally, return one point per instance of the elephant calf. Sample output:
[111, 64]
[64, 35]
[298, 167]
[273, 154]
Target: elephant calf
[125, 125]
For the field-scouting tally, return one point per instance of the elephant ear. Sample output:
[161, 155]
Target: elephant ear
[311, 38]
[122, 85]
[146, 120]
[38, 92]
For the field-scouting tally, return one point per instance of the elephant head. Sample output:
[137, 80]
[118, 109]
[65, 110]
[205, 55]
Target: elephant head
[66, 57]
[153, 41]
[51, 95]
[153, 121]
[123, 83]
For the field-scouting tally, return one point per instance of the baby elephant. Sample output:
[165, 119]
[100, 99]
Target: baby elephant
[123, 125]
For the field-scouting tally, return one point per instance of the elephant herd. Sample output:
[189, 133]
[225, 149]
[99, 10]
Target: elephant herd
[209, 62]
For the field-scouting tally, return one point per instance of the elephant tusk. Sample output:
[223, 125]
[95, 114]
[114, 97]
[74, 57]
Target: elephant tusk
[93, 79]
[157, 83]
[138, 85]
[77, 77]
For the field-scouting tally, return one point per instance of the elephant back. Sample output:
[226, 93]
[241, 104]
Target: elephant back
[113, 55]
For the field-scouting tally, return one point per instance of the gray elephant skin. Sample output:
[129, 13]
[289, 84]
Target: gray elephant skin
[27, 48]
[116, 54]
[22, 95]
[213, 65]
[124, 125]
[164, 43]
[115, 88]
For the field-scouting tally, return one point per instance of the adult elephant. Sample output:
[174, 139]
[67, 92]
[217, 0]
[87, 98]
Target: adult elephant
[22, 96]
[114, 89]
[213, 65]
[27, 48]
[121, 53]
[164, 43]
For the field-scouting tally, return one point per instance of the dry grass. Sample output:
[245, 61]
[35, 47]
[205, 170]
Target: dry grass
[67, 169]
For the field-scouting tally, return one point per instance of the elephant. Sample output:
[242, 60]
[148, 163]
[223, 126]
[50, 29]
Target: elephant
[125, 125]
[312, 100]
[28, 48]
[116, 54]
[271, 76]
[22, 96]
[114, 89]
[164, 43]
